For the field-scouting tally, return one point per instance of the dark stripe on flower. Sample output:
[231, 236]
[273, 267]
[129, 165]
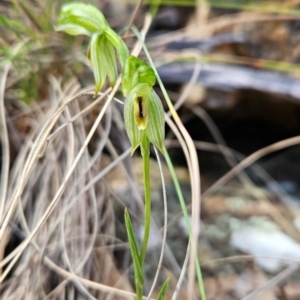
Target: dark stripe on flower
[141, 114]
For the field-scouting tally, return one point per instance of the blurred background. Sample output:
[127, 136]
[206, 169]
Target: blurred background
[232, 70]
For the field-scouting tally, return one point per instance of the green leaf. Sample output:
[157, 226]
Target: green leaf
[122, 52]
[109, 63]
[80, 18]
[73, 29]
[138, 273]
[155, 129]
[134, 134]
[163, 290]
[15, 26]
[112, 37]
[120, 46]
[96, 61]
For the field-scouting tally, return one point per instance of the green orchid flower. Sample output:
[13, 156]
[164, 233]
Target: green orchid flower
[143, 110]
[105, 48]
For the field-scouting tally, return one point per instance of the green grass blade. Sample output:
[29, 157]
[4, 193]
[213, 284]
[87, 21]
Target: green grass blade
[138, 273]
[17, 27]
[163, 290]
[186, 218]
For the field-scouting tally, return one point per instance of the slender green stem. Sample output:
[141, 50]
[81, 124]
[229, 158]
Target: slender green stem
[145, 150]
[186, 217]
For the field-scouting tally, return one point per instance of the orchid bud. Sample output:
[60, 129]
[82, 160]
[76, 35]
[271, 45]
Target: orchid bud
[80, 18]
[143, 110]
[135, 72]
[105, 48]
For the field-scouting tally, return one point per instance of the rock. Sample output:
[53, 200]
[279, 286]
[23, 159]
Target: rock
[265, 241]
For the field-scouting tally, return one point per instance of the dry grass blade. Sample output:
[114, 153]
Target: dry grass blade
[259, 171]
[239, 258]
[181, 278]
[133, 16]
[4, 143]
[250, 160]
[196, 72]
[4, 136]
[196, 204]
[189, 163]
[80, 114]
[33, 156]
[273, 282]
[164, 226]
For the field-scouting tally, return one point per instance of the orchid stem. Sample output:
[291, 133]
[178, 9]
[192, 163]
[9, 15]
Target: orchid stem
[145, 151]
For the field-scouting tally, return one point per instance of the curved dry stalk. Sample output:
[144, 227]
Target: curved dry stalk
[239, 258]
[182, 274]
[193, 80]
[33, 156]
[133, 16]
[259, 171]
[80, 114]
[164, 226]
[273, 282]
[4, 135]
[4, 144]
[86, 255]
[89, 283]
[189, 163]
[84, 259]
[211, 126]
[59, 192]
[21, 164]
[250, 160]
[89, 249]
